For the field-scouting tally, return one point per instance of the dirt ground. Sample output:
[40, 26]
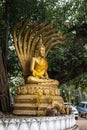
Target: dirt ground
[82, 123]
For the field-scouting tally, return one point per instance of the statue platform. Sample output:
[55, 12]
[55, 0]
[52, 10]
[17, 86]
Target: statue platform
[35, 99]
[39, 123]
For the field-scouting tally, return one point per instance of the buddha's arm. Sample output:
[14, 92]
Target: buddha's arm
[35, 73]
[32, 64]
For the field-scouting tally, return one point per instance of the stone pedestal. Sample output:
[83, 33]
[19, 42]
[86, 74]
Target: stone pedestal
[39, 123]
[34, 99]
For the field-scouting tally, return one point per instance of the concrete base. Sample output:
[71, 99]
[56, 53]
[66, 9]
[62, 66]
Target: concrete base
[39, 123]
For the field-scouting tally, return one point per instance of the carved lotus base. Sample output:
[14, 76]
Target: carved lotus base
[34, 99]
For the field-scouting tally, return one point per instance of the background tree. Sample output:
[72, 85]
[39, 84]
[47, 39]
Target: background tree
[4, 86]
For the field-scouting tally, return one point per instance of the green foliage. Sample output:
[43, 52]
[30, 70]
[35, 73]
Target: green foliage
[81, 81]
[76, 94]
[66, 58]
[14, 82]
[13, 63]
[14, 72]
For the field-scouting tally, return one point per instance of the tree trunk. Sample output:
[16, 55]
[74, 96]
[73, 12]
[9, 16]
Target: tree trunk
[4, 90]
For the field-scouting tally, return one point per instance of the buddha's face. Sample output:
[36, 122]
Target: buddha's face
[42, 51]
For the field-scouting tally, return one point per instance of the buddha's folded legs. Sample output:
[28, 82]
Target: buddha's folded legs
[32, 79]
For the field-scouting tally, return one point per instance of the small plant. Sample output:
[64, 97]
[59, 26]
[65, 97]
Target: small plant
[14, 82]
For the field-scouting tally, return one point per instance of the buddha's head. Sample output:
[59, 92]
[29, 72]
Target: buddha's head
[40, 50]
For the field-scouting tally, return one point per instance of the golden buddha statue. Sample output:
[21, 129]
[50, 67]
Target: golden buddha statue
[39, 66]
[32, 43]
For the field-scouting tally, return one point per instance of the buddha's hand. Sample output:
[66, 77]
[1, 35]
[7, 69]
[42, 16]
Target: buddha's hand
[37, 74]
